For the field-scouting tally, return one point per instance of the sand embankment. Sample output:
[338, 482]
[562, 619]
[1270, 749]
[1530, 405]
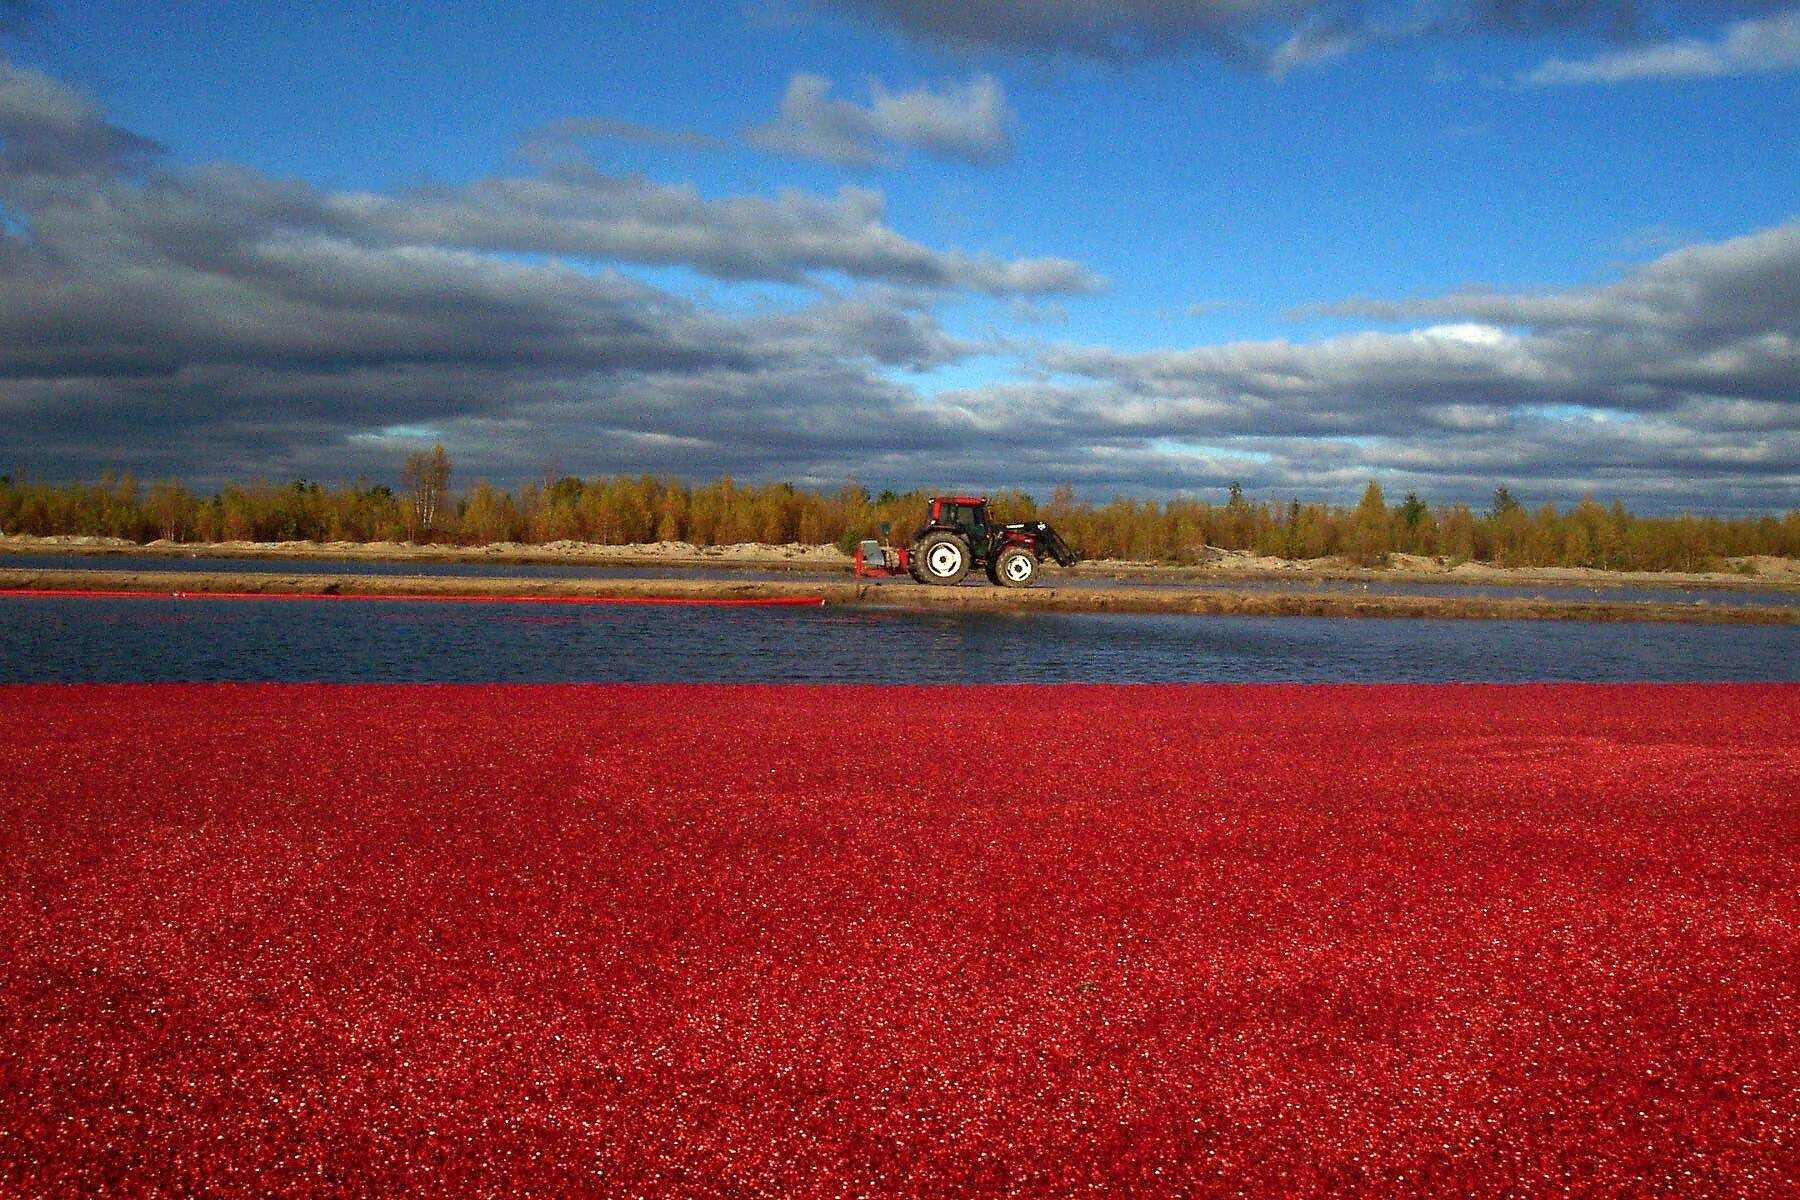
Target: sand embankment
[903, 594]
[1753, 573]
[1759, 572]
[759, 555]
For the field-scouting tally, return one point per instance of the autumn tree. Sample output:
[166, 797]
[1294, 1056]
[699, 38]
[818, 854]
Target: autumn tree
[427, 479]
[171, 507]
[488, 515]
[1371, 537]
[1457, 539]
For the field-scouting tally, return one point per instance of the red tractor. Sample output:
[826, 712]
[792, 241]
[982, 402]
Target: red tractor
[959, 537]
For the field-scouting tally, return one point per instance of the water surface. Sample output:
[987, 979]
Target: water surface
[106, 640]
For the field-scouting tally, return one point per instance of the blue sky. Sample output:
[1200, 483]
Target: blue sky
[1219, 194]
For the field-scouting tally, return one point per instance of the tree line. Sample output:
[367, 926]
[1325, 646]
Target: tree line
[627, 509]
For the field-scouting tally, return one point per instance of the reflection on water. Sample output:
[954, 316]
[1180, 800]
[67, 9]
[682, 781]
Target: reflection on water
[83, 639]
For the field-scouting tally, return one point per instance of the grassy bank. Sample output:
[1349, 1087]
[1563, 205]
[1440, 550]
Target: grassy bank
[1761, 575]
[902, 594]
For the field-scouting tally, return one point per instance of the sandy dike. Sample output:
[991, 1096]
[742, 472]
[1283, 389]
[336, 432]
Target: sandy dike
[1766, 573]
[903, 594]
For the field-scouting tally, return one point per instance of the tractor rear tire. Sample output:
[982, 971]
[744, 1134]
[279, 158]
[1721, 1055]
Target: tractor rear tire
[943, 558]
[1014, 567]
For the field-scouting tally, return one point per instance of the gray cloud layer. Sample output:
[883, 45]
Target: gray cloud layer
[1264, 35]
[968, 121]
[1686, 373]
[215, 323]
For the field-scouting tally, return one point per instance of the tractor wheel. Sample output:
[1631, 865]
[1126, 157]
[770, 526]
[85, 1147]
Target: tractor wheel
[943, 558]
[1015, 567]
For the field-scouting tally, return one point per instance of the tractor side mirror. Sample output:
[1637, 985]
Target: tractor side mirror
[887, 528]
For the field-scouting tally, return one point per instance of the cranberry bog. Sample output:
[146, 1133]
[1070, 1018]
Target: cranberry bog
[762, 940]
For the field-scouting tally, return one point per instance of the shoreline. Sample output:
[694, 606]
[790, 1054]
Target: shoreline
[896, 595]
[825, 560]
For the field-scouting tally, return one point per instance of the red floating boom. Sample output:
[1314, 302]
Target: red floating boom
[705, 601]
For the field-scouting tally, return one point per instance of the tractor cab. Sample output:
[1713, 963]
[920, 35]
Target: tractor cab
[967, 515]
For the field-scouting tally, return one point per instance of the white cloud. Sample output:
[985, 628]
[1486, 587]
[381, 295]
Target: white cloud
[577, 211]
[1469, 333]
[967, 121]
[1754, 46]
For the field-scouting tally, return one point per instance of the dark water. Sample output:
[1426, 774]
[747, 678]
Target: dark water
[82, 639]
[501, 570]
